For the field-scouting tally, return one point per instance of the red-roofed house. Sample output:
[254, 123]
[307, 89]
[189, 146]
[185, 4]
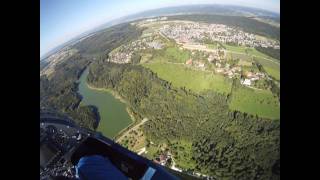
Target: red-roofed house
[189, 62]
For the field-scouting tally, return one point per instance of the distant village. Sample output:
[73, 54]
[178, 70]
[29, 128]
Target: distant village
[124, 53]
[189, 36]
[196, 32]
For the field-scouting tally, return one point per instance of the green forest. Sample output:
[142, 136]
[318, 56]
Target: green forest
[58, 92]
[101, 43]
[225, 144]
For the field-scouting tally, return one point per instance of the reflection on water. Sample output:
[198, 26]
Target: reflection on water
[113, 114]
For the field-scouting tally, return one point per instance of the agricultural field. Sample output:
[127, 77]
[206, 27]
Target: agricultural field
[173, 54]
[244, 57]
[239, 49]
[134, 140]
[145, 57]
[256, 102]
[244, 63]
[147, 32]
[181, 76]
[272, 68]
[246, 51]
[169, 64]
[270, 65]
[213, 45]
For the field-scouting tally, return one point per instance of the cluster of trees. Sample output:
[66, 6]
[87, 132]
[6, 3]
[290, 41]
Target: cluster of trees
[59, 91]
[245, 149]
[269, 83]
[135, 59]
[272, 52]
[225, 144]
[102, 42]
[246, 24]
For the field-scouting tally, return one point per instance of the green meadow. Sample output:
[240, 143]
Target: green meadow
[256, 102]
[181, 76]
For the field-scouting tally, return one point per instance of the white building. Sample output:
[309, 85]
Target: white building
[246, 82]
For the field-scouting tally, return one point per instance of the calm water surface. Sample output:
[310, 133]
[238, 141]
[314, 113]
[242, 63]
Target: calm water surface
[113, 114]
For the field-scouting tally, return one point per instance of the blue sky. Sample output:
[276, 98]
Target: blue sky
[60, 20]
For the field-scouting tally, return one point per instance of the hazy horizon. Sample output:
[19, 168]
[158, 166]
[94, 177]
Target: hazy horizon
[61, 21]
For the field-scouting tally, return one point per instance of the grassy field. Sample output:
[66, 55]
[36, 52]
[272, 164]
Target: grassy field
[214, 45]
[182, 154]
[174, 54]
[273, 72]
[239, 49]
[197, 81]
[256, 102]
[145, 57]
[270, 65]
[273, 69]
[147, 32]
[244, 63]
[151, 151]
[134, 140]
[244, 57]
[248, 51]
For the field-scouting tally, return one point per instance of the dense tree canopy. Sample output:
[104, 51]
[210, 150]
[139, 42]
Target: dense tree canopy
[59, 91]
[225, 143]
[102, 42]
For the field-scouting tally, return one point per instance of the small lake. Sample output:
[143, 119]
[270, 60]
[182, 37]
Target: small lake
[113, 114]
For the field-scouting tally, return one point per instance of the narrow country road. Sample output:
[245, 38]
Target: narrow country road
[133, 128]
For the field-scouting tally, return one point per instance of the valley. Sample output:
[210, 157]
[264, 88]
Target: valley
[197, 96]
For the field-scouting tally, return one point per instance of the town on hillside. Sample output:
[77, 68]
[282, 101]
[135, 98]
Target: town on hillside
[206, 45]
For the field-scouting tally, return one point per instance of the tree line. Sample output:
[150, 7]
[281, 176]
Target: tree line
[272, 52]
[59, 91]
[226, 144]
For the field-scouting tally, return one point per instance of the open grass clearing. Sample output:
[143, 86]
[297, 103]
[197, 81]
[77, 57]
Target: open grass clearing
[145, 57]
[270, 67]
[256, 102]
[174, 54]
[182, 154]
[244, 63]
[182, 76]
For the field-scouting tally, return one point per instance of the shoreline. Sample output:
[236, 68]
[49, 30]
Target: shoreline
[128, 128]
[117, 96]
[113, 93]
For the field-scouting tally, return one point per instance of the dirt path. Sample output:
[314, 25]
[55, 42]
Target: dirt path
[254, 88]
[135, 127]
[142, 150]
